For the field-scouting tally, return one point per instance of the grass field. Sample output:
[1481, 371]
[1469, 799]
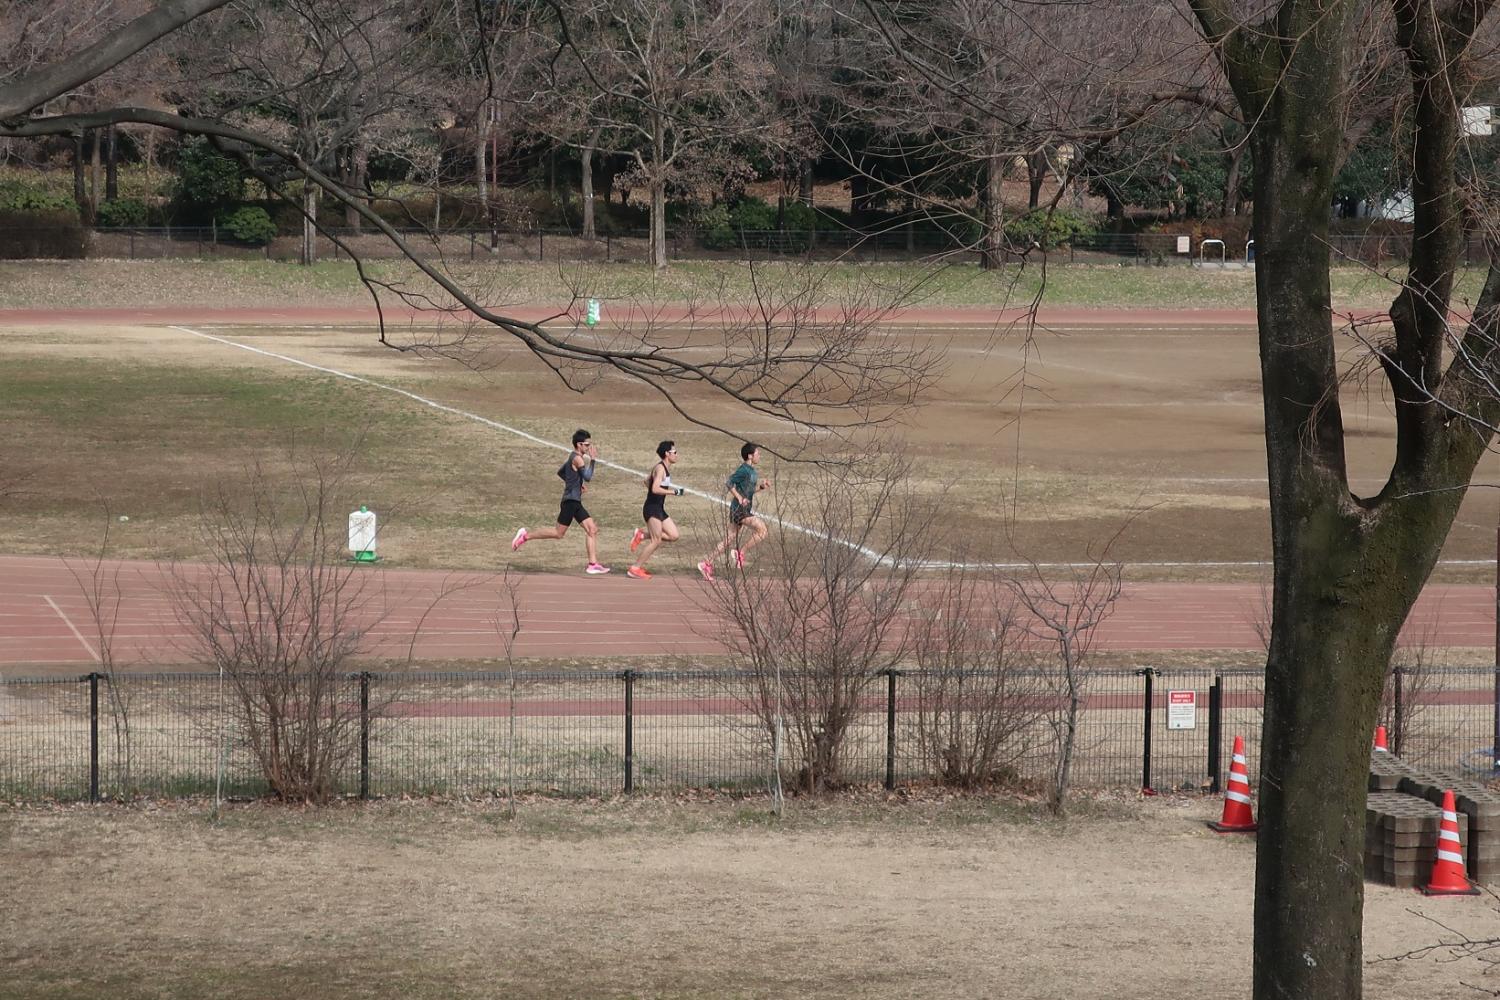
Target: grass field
[1157, 424]
[118, 284]
[867, 896]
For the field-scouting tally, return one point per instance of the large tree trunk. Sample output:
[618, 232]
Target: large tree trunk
[992, 252]
[112, 165]
[96, 174]
[587, 173]
[658, 184]
[1232, 179]
[80, 194]
[1036, 175]
[354, 179]
[805, 181]
[308, 253]
[1347, 569]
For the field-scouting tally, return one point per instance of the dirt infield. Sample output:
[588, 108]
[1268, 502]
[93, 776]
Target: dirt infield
[1044, 453]
[653, 899]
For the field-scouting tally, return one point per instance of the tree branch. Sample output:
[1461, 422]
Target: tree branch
[20, 97]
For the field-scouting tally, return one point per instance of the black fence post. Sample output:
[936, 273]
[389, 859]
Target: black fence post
[541, 246]
[606, 247]
[1397, 734]
[1148, 673]
[364, 734]
[1215, 726]
[890, 729]
[629, 678]
[93, 680]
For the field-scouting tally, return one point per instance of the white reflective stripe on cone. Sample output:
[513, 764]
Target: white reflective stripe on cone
[1456, 859]
[1235, 796]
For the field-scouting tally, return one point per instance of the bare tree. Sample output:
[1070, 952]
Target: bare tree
[1065, 614]
[508, 619]
[282, 613]
[823, 612]
[99, 583]
[685, 81]
[980, 695]
[773, 377]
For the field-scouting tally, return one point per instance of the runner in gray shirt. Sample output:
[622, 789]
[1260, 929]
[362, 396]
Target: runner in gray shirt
[575, 474]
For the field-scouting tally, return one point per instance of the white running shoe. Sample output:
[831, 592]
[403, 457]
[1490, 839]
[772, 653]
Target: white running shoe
[519, 540]
[594, 569]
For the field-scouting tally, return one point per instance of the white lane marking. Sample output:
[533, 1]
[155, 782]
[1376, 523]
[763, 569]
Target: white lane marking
[69, 622]
[813, 532]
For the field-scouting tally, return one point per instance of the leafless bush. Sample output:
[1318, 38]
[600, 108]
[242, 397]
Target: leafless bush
[1064, 614]
[979, 695]
[822, 611]
[1409, 681]
[281, 612]
[99, 583]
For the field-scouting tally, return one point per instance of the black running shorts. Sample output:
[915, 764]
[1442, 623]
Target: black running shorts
[572, 510]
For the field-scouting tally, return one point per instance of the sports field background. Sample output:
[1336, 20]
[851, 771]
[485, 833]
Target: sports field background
[1161, 424]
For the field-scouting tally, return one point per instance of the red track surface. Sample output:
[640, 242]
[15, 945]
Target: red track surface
[45, 622]
[352, 315]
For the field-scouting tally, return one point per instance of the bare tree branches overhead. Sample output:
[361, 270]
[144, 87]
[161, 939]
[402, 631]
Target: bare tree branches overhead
[304, 90]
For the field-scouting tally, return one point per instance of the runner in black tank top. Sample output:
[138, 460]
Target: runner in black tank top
[659, 524]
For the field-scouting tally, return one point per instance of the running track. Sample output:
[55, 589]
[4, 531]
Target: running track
[45, 625]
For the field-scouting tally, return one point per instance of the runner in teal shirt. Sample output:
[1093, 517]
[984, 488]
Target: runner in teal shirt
[743, 484]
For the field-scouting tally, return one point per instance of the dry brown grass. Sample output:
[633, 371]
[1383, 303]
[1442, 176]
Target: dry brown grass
[866, 896]
[1114, 422]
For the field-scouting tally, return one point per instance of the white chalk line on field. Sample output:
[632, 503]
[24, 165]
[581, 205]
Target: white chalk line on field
[863, 550]
[73, 628]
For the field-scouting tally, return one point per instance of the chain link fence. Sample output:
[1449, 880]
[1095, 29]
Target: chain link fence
[563, 246]
[175, 734]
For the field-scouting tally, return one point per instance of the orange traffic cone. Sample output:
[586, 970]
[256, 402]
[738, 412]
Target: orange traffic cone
[1380, 744]
[1237, 815]
[1448, 878]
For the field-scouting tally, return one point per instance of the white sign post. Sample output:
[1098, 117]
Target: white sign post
[1182, 709]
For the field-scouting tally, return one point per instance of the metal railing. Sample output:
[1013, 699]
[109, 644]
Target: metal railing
[171, 734]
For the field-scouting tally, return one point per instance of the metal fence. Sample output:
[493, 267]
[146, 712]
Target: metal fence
[562, 245]
[173, 734]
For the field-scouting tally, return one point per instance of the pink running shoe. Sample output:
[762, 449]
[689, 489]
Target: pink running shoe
[707, 569]
[739, 558]
[594, 569]
[637, 538]
[519, 540]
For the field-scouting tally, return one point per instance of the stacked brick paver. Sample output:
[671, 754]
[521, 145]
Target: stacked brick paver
[1402, 819]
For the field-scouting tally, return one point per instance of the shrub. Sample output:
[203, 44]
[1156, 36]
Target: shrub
[250, 224]
[207, 181]
[1048, 230]
[718, 233]
[752, 214]
[122, 212]
[17, 196]
[47, 233]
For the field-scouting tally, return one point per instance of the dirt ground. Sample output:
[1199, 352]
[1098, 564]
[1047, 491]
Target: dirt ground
[964, 898]
[1042, 452]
